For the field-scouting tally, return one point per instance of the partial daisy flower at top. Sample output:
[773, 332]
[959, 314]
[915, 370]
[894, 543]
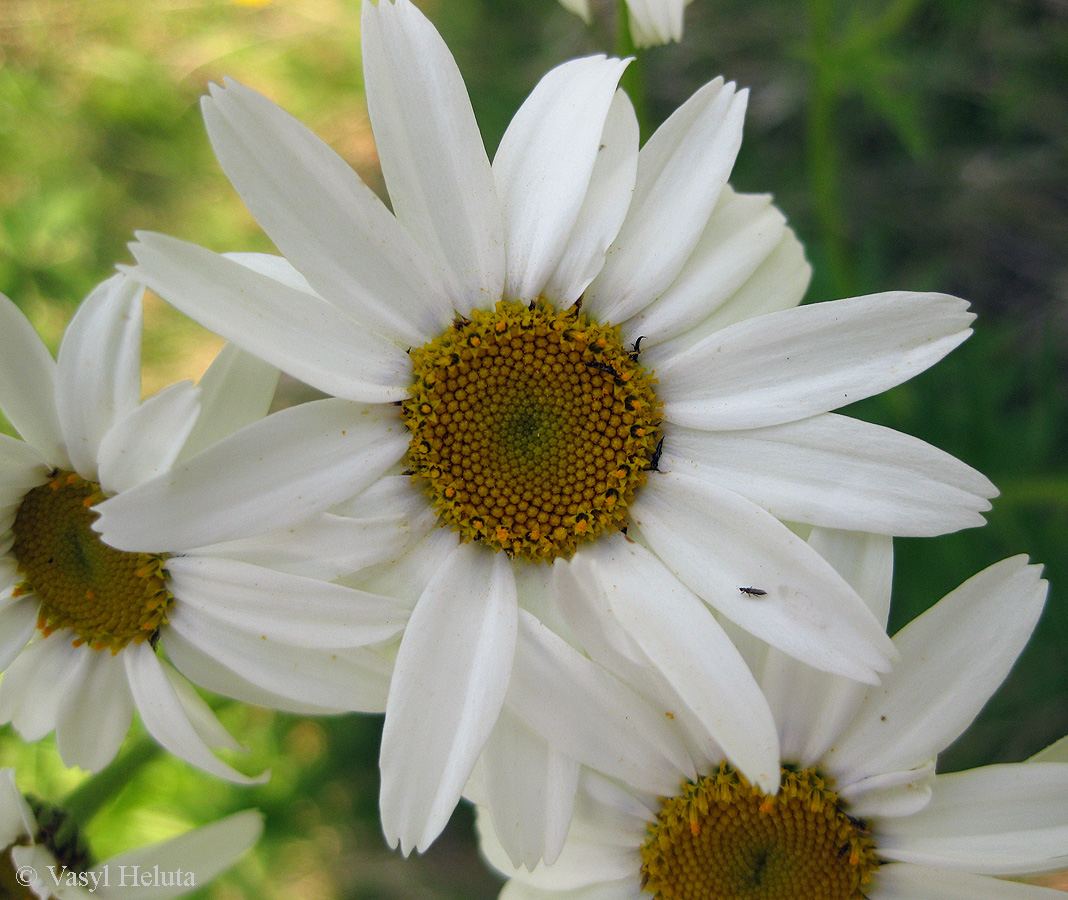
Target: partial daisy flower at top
[82, 623]
[582, 354]
[651, 21]
[860, 813]
[42, 856]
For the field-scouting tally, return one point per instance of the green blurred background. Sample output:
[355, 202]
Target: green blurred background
[913, 144]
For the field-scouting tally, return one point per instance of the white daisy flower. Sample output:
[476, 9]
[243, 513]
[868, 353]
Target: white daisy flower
[579, 339]
[81, 622]
[41, 857]
[651, 21]
[860, 812]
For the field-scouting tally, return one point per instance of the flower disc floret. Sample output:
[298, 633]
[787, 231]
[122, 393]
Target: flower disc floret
[531, 428]
[108, 597]
[724, 839]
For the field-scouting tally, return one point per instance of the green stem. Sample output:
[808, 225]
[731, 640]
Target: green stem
[822, 148]
[633, 80]
[895, 17]
[86, 800]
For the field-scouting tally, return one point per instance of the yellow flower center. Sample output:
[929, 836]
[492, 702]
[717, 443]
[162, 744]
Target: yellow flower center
[724, 839]
[531, 428]
[108, 597]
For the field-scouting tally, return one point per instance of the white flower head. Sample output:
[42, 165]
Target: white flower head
[581, 355]
[651, 21]
[860, 812]
[82, 623]
[40, 860]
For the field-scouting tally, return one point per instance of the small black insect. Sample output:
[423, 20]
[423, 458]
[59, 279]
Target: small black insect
[654, 460]
[752, 591]
[636, 349]
[603, 367]
[153, 639]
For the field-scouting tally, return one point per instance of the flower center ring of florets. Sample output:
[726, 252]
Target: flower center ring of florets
[724, 839]
[531, 428]
[108, 597]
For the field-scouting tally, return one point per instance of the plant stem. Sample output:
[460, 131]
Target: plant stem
[633, 80]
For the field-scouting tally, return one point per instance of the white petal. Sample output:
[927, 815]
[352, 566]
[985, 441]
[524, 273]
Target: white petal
[799, 362]
[997, 820]
[17, 624]
[16, 819]
[35, 684]
[623, 889]
[163, 716]
[365, 691]
[433, 160]
[604, 208]
[37, 858]
[95, 715]
[544, 164]
[449, 683]
[200, 715]
[681, 171]
[904, 882]
[580, 8]
[866, 561]
[331, 680]
[203, 853]
[655, 21]
[274, 473]
[743, 231]
[323, 219]
[941, 682]
[236, 391]
[586, 713]
[21, 468]
[717, 543]
[893, 794]
[682, 640]
[335, 353]
[530, 792]
[145, 442]
[27, 385]
[276, 606]
[98, 372]
[838, 472]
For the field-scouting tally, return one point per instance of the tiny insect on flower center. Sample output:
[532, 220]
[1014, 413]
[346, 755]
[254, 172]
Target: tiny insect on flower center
[108, 597]
[724, 839]
[531, 428]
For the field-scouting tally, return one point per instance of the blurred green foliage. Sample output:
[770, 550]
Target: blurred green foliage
[914, 144]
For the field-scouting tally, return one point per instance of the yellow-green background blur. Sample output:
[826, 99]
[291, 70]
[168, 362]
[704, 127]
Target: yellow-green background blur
[914, 144]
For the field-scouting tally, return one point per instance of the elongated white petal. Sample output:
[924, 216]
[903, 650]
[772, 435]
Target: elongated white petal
[585, 712]
[628, 888]
[604, 208]
[1005, 819]
[655, 21]
[449, 683]
[544, 164]
[323, 219]
[681, 171]
[335, 353]
[27, 385]
[200, 715]
[799, 362]
[580, 8]
[35, 685]
[164, 718]
[273, 473]
[717, 543]
[146, 441]
[236, 391]
[359, 676]
[17, 624]
[433, 160]
[98, 371]
[22, 467]
[682, 640]
[941, 682]
[95, 715]
[329, 679]
[838, 472]
[530, 792]
[895, 794]
[743, 231]
[16, 819]
[900, 881]
[203, 853]
[304, 612]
